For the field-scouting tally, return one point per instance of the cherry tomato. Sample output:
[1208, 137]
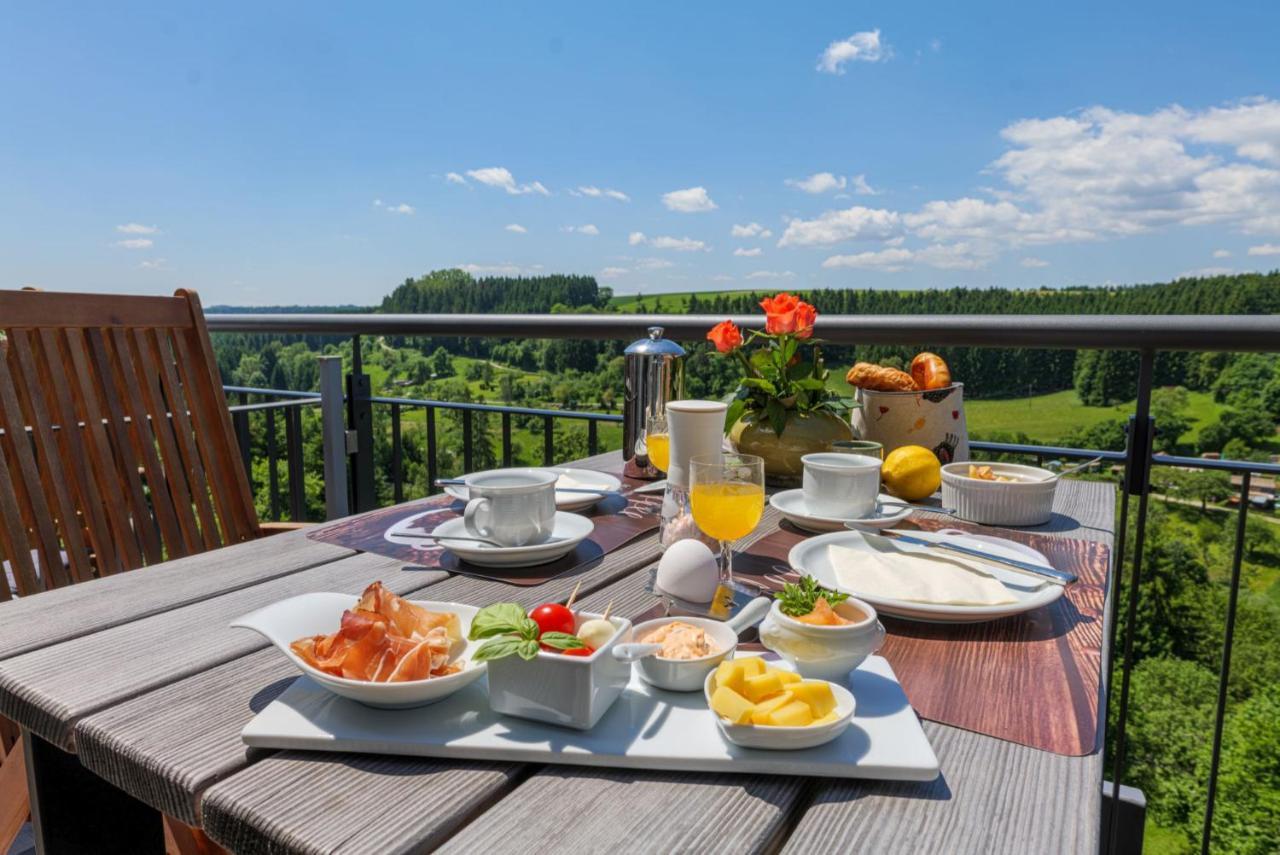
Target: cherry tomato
[553, 617]
[579, 651]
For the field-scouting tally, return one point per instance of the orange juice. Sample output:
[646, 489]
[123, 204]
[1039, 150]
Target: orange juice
[659, 445]
[727, 510]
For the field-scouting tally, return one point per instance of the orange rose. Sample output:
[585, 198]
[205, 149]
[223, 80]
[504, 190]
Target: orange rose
[780, 313]
[806, 315]
[726, 336]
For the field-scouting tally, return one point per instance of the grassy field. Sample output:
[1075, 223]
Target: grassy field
[674, 302]
[1049, 418]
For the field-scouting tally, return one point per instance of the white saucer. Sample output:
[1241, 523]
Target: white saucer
[579, 478]
[810, 557]
[570, 530]
[790, 503]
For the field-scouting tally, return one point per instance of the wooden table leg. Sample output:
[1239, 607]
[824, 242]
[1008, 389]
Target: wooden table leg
[75, 811]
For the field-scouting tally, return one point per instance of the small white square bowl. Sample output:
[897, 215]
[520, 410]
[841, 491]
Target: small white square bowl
[573, 691]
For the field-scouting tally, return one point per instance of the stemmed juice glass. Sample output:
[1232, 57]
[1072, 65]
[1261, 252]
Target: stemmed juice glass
[726, 492]
[657, 441]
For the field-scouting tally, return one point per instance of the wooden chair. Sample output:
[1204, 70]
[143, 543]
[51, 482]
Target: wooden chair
[116, 451]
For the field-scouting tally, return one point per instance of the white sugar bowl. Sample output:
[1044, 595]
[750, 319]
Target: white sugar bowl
[824, 652]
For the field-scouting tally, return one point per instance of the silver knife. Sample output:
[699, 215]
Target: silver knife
[1043, 571]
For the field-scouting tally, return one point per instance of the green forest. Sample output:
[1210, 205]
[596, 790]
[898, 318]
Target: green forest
[1212, 402]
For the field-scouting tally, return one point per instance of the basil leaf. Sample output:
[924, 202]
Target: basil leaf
[498, 619]
[497, 648]
[528, 649]
[529, 629]
[561, 641]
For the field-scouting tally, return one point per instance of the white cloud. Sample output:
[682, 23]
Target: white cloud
[692, 200]
[721, 277]
[455, 178]
[861, 187]
[501, 178]
[859, 47]
[601, 192]
[748, 253]
[891, 260]
[1030, 261]
[679, 244]
[588, 229]
[935, 45]
[1261, 249]
[653, 264]
[135, 243]
[819, 182]
[771, 274]
[402, 208]
[856, 223]
[504, 269]
[153, 264]
[957, 256]
[1205, 272]
[613, 272]
[750, 230]
[516, 227]
[1222, 253]
[137, 229]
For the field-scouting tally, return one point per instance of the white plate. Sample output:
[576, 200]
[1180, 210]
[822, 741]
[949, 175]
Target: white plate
[306, 615]
[570, 530]
[810, 557]
[585, 478]
[646, 728]
[790, 503]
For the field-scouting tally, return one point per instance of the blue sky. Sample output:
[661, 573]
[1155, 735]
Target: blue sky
[303, 153]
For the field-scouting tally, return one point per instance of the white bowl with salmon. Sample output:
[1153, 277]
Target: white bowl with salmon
[377, 649]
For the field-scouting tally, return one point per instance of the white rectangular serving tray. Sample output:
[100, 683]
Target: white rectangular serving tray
[646, 728]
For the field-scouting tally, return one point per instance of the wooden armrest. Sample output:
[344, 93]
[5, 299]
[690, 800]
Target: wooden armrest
[270, 528]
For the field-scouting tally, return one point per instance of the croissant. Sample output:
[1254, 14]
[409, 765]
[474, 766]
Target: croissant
[864, 375]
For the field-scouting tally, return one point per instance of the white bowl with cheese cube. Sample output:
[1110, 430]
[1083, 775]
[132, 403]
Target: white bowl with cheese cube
[759, 704]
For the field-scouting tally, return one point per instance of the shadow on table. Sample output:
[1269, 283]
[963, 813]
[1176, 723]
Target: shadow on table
[1055, 620]
[833, 792]
[268, 693]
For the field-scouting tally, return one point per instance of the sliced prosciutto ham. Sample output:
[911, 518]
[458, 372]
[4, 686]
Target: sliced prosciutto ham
[385, 639]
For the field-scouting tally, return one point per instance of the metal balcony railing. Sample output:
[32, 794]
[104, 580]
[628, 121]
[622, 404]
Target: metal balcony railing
[348, 441]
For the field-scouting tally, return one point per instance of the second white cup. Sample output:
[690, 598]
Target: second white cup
[841, 486]
[512, 507]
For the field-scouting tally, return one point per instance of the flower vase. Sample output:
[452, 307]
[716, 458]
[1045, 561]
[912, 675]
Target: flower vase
[805, 433]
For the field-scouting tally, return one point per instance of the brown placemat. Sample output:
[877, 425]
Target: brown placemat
[618, 521]
[1033, 679]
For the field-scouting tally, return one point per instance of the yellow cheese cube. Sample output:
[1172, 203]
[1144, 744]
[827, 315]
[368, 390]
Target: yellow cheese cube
[761, 713]
[787, 676]
[761, 686]
[794, 714]
[730, 674]
[826, 719]
[752, 665]
[816, 694]
[731, 705]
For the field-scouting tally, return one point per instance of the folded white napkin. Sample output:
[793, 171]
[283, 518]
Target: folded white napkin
[886, 572]
[569, 482]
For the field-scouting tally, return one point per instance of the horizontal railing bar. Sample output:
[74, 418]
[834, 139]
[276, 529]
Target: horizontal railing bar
[278, 393]
[498, 408]
[1237, 466]
[274, 405]
[1046, 450]
[1103, 332]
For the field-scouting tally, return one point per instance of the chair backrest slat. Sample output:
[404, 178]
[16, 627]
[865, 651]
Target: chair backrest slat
[117, 448]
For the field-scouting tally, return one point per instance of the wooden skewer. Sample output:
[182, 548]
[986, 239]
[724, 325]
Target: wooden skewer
[607, 609]
[574, 595]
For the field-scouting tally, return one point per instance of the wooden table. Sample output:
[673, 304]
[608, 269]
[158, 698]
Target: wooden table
[139, 677]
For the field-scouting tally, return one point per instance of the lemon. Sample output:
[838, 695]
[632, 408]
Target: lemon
[911, 473]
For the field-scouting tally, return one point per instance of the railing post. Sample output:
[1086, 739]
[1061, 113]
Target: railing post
[360, 420]
[397, 456]
[1137, 482]
[293, 449]
[334, 432]
[273, 475]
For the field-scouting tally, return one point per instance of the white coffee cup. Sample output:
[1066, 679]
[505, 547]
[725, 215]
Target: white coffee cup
[513, 507]
[841, 486]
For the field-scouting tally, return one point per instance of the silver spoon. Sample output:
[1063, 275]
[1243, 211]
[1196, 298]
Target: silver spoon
[439, 537]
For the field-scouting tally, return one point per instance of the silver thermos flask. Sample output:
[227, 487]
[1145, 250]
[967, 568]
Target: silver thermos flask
[653, 374]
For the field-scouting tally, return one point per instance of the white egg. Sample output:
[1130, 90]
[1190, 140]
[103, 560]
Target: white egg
[689, 570]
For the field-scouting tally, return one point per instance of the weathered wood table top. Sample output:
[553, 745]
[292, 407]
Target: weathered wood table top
[141, 676]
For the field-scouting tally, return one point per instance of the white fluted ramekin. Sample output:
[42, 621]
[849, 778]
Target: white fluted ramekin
[1026, 501]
